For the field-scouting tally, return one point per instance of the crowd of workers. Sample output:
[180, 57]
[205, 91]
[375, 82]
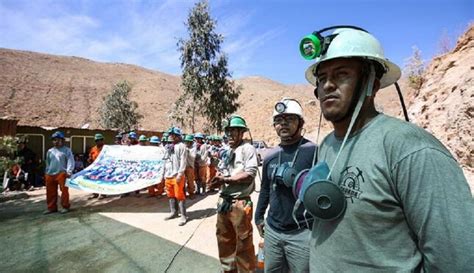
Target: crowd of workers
[378, 195]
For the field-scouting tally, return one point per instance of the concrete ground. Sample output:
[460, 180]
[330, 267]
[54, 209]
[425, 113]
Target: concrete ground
[109, 235]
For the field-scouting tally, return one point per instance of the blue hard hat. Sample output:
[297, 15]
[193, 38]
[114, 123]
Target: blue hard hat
[57, 134]
[198, 135]
[175, 131]
[155, 139]
[132, 135]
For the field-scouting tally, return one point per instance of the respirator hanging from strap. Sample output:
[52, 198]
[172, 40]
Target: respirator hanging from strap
[322, 197]
[285, 173]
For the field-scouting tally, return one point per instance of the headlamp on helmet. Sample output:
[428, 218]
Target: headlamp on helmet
[347, 42]
[280, 107]
[315, 45]
[289, 107]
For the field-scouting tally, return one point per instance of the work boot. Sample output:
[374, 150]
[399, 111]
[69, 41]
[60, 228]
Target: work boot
[182, 211]
[198, 188]
[46, 212]
[174, 211]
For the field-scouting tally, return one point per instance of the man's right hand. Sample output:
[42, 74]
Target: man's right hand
[261, 228]
[216, 182]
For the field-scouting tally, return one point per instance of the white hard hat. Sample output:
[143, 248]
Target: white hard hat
[287, 106]
[356, 43]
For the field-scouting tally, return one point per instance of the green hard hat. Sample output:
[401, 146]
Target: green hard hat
[235, 121]
[98, 137]
[143, 138]
[189, 138]
[352, 43]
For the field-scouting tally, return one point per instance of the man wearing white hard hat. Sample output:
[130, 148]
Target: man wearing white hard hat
[405, 205]
[286, 233]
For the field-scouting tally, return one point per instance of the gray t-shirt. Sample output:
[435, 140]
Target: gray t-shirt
[175, 160]
[191, 157]
[409, 207]
[201, 154]
[242, 159]
[59, 160]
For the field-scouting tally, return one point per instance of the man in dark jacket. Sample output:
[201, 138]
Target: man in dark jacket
[286, 233]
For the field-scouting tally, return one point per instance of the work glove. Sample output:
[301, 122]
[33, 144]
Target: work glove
[225, 205]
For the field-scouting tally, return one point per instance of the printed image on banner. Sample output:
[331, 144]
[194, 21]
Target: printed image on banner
[121, 169]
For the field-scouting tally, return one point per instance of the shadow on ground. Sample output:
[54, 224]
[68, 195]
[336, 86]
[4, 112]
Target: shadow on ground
[82, 241]
[80, 204]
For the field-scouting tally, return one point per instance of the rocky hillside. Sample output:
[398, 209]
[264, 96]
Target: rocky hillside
[445, 103]
[47, 90]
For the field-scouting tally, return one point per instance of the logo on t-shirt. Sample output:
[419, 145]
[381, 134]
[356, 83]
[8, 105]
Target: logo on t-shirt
[351, 178]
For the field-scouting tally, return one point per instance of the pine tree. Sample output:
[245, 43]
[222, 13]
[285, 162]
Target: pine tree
[207, 89]
[117, 111]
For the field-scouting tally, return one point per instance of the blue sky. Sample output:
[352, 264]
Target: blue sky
[261, 37]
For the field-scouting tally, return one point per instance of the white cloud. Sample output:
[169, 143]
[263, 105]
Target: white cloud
[142, 33]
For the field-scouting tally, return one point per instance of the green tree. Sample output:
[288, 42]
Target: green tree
[8, 147]
[208, 90]
[415, 69]
[118, 111]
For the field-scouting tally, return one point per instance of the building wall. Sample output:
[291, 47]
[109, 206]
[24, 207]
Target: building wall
[7, 127]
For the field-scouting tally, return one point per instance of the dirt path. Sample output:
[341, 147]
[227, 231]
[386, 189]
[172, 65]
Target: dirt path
[109, 235]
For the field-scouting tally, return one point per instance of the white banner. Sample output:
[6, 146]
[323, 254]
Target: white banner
[121, 169]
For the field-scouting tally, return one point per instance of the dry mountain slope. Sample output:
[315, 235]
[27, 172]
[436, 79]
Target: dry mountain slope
[445, 103]
[47, 90]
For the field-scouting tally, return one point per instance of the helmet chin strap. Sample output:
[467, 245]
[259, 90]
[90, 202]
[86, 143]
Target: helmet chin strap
[359, 92]
[366, 93]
